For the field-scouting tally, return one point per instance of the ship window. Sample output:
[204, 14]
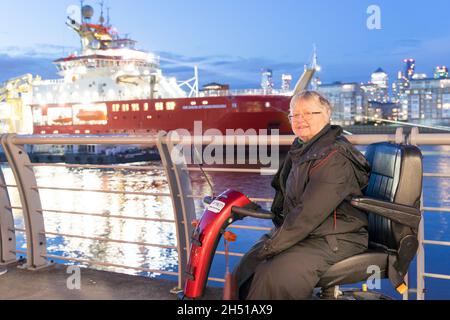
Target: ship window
[146, 106]
[193, 103]
[149, 117]
[159, 106]
[116, 117]
[125, 107]
[170, 105]
[114, 107]
[135, 107]
[76, 132]
[205, 102]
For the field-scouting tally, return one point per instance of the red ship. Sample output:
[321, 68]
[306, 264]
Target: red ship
[111, 88]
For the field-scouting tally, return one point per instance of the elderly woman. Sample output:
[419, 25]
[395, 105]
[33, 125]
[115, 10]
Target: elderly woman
[315, 225]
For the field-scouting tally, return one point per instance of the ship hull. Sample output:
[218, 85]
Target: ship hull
[196, 115]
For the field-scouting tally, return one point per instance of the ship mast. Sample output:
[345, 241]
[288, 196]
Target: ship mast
[101, 19]
[315, 65]
[108, 20]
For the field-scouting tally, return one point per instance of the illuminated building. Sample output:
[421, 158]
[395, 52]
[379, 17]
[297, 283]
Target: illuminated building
[267, 79]
[441, 72]
[410, 68]
[286, 80]
[429, 101]
[348, 102]
[377, 88]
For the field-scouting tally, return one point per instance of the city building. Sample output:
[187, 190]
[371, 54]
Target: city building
[378, 87]
[415, 98]
[384, 110]
[267, 79]
[286, 81]
[401, 85]
[380, 78]
[410, 68]
[441, 72]
[428, 101]
[348, 101]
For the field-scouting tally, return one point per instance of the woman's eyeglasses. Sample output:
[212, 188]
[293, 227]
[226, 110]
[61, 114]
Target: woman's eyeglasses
[305, 116]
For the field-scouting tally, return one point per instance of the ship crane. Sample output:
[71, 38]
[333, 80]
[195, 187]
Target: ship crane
[13, 110]
[93, 36]
[308, 75]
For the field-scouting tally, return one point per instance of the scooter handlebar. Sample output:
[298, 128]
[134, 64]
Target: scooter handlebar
[208, 200]
[246, 212]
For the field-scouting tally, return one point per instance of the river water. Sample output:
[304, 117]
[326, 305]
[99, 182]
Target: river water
[436, 194]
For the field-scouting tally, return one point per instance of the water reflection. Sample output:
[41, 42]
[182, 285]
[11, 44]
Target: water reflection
[105, 227]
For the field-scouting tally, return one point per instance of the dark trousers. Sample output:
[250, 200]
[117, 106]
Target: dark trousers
[294, 273]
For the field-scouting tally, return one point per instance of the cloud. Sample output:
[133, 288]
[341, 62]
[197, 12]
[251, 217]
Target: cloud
[239, 72]
[41, 50]
[13, 66]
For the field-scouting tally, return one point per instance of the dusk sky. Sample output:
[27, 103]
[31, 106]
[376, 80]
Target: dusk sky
[232, 40]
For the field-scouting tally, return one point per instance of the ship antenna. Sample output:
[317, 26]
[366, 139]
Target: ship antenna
[81, 11]
[102, 19]
[108, 21]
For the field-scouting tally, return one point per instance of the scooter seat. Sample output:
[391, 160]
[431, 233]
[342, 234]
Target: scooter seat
[354, 269]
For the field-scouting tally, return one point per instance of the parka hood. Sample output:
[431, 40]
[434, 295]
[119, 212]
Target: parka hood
[332, 136]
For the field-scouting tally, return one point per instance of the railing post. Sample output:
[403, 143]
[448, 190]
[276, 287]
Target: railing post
[399, 137]
[413, 136]
[183, 205]
[405, 296]
[7, 234]
[420, 295]
[421, 257]
[31, 203]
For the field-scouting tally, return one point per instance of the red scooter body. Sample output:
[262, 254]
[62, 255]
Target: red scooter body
[205, 238]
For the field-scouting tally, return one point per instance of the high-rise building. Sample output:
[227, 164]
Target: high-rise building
[441, 72]
[380, 78]
[348, 101]
[429, 101]
[267, 79]
[410, 68]
[399, 88]
[286, 80]
[378, 88]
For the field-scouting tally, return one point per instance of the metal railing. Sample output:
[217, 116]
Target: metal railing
[181, 195]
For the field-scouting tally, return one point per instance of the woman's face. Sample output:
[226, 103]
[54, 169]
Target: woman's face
[308, 118]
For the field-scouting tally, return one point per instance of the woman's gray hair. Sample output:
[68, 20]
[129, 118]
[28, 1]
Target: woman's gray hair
[311, 95]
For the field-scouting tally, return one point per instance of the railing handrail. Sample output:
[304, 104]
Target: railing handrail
[283, 140]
